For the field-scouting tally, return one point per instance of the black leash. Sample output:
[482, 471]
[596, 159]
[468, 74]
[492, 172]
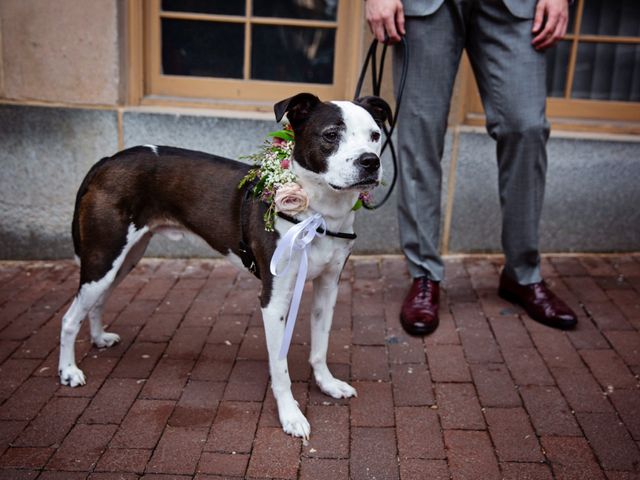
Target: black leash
[376, 80]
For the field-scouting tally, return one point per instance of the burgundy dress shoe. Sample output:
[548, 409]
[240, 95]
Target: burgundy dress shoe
[419, 314]
[539, 302]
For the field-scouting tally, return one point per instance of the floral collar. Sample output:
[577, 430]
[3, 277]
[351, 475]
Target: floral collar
[272, 181]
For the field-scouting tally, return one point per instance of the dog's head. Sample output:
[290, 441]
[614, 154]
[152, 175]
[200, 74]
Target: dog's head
[337, 142]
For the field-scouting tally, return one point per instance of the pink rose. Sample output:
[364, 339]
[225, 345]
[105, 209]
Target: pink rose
[278, 142]
[291, 199]
[365, 197]
[285, 163]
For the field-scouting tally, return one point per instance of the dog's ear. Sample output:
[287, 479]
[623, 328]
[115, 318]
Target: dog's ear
[377, 107]
[297, 107]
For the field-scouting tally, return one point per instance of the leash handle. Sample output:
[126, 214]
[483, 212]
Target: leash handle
[376, 80]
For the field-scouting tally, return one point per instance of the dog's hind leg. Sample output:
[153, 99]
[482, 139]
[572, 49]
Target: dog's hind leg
[88, 297]
[92, 294]
[99, 337]
[325, 292]
[69, 373]
[291, 418]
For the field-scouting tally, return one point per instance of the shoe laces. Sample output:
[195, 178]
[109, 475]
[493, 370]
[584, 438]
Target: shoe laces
[425, 287]
[543, 291]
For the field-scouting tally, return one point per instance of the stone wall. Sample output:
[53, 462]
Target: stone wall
[68, 54]
[46, 151]
[63, 51]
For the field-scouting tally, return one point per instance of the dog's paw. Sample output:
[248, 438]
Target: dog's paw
[337, 388]
[72, 376]
[294, 422]
[106, 339]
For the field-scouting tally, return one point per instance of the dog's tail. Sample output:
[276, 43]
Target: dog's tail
[75, 224]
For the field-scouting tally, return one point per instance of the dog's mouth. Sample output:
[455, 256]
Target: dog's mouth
[361, 185]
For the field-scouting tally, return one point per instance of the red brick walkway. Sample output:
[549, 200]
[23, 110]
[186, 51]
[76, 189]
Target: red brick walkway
[490, 395]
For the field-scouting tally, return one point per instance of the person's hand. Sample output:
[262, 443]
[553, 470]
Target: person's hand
[385, 16]
[549, 23]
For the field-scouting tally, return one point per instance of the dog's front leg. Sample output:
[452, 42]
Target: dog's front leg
[292, 420]
[325, 292]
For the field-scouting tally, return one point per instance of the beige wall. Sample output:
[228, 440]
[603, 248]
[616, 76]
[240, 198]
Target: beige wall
[71, 51]
[1, 63]
[64, 51]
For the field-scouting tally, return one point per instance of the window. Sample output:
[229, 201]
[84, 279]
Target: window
[250, 51]
[593, 74]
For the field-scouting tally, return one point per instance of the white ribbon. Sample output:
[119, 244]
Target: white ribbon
[297, 238]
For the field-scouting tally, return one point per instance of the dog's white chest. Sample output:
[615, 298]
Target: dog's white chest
[326, 253]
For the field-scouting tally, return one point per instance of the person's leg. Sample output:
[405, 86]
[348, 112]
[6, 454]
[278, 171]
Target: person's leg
[435, 44]
[511, 79]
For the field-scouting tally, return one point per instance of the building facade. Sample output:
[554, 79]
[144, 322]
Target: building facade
[80, 80]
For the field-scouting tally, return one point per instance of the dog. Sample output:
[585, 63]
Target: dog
[127, 198]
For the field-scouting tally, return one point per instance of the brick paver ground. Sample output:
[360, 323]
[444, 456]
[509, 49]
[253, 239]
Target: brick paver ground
[489, 395]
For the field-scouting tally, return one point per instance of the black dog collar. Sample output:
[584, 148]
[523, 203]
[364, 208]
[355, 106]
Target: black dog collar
[348, 236]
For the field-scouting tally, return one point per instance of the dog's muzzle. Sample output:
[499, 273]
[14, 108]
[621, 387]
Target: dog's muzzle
[369, 163]
[368, 173]
[369, 170]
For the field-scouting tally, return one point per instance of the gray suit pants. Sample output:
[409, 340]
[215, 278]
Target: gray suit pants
[511, 79]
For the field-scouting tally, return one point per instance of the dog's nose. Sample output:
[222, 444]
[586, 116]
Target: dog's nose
[369, 161]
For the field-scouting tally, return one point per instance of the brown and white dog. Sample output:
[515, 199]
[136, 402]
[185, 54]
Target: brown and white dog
[126, 198]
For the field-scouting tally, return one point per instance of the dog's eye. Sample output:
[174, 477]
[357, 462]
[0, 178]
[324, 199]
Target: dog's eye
[375, 136]
[330, 136]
